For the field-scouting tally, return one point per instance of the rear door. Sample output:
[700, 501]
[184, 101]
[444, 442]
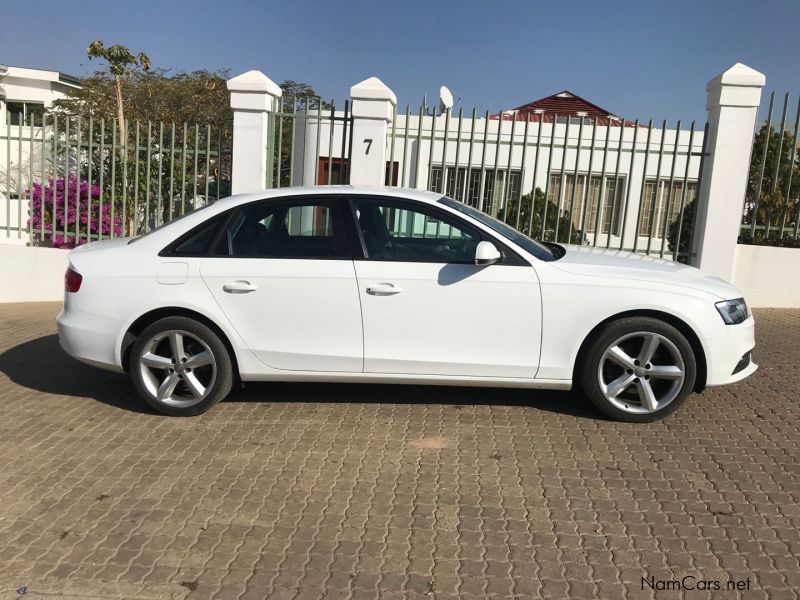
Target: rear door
[282, 273]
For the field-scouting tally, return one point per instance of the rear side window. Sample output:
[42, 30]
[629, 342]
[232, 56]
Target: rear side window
[198, 241]
[304, 228]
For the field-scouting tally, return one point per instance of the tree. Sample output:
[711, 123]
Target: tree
[767, 202]
[566, 234]
[120, 61]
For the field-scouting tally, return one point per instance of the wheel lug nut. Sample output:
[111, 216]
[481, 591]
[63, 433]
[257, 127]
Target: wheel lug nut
[636, 380]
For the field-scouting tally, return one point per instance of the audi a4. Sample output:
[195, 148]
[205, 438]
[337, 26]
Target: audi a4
[386, 285]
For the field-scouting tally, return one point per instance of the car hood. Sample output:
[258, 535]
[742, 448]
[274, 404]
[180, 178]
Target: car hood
[618, 264]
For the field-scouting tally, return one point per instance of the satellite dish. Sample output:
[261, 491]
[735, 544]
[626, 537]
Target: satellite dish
[445, 99]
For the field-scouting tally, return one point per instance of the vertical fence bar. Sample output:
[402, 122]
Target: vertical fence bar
[444, 153]
[562, 185]
[616, 179]
[404, 173]
[498, 142]
[279, 157]
[391, 150]
[549, 166]
[42, 178]
[668, 208]
[8, 178]
[172, 173]
[644, 183]
[507, 181]
[458, 153]
[767, 135]
[430, 154]
[30, 181]
[330, 142]
[601, 192]
[587, 182]
[136, 156]
[77, 179]
[529, 228]
[20, 127]
[482, 181]
[576, 172]
[114, 126]
[126, 132]
[183, 167]
[683, 193]
[66, 177]
[418, 153]
[89, 181]
[651, 224]
[195, 162]
[629, 185]
[345, 128]
[773, 191]
[207, 171]
[101, 178]
[522, 170]
[468, 174]
[159, 197]
[319, 136]
[147, 176]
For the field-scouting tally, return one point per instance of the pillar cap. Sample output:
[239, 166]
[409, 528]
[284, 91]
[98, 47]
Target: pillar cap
[254, 81]
[738, 75]
[373, 89]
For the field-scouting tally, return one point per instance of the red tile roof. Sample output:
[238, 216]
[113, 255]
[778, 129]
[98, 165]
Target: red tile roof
[563, 104]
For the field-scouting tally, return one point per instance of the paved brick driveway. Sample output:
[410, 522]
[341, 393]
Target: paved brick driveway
[387, 491]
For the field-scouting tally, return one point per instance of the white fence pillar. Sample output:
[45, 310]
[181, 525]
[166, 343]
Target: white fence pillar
[373, 106]
[732, 105]
[253, 95]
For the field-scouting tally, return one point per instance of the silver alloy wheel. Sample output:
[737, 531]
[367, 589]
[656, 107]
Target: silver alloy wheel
[641, 372]
[177, 368]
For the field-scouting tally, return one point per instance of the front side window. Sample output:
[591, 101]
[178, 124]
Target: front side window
[407, 232]
[306, 228]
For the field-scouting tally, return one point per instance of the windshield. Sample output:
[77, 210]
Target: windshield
[528, 244]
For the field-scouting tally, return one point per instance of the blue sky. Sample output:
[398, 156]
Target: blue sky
[637, 59]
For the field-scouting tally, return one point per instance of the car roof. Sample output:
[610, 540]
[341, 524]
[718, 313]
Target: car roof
[362, 190]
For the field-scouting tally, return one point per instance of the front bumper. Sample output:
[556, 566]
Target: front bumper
[723, 355]
[89, 338]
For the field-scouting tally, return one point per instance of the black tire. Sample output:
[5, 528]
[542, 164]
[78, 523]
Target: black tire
[220, 382]
[588, 369]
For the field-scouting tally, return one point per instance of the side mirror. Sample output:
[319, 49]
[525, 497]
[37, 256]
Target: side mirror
[486, 254]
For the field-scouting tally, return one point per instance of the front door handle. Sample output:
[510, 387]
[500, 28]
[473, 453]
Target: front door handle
[383, 289]
[239, 287]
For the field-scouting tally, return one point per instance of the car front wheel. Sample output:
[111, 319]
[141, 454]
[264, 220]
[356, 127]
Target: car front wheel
[638, 369]
[180, 367]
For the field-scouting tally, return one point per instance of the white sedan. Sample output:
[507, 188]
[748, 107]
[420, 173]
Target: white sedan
[394, 286]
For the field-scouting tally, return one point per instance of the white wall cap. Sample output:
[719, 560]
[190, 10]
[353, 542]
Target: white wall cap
[738, 75]
[254, 81]
[372, 89]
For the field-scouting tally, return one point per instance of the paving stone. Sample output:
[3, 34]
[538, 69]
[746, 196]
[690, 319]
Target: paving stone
[346, 491]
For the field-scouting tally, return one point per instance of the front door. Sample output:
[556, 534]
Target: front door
[428, 309]
[283, 275]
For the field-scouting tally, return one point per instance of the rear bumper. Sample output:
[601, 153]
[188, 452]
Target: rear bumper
[724, 355]
[89, 338]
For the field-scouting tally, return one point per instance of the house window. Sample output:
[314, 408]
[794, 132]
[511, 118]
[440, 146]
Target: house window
[611, 207]
[24, 113]
[464, 184]
[667, 204]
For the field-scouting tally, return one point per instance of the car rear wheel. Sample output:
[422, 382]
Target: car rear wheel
[180, 367]
[638, 369]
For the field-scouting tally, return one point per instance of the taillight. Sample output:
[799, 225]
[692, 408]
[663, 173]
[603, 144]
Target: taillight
[72, 280]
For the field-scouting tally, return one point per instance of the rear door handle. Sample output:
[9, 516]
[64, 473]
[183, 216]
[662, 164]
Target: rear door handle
[239, 287]
[383, 289]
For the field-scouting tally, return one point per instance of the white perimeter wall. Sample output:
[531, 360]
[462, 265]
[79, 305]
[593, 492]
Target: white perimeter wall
[768, 276]
[31, 274]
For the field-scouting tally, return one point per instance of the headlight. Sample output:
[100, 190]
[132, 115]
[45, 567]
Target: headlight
[733, 311]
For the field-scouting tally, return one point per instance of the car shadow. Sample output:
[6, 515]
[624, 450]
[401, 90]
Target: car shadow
[42, 365]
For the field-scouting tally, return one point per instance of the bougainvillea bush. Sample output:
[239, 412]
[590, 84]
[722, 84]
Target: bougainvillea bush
[69, 203]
